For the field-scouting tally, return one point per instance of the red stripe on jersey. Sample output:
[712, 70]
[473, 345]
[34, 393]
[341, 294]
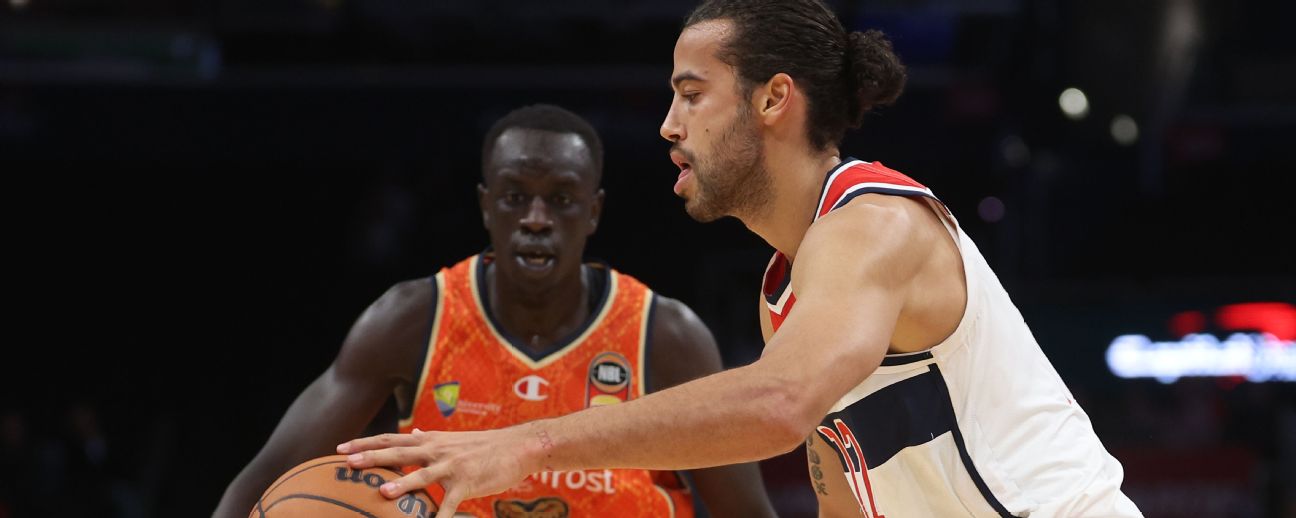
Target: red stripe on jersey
[863, 172]
[838, 183]
[776, 318]
[774, 275]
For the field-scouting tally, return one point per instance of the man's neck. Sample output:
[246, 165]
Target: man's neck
[798, 180]
[538, 319]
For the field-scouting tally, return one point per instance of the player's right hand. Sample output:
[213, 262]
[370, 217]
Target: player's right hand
[466, 464]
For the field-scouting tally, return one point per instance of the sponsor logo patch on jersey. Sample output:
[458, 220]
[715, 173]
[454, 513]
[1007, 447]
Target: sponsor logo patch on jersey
[609, 380]
[475, 408]
[547, 507]
[531, 388]
[447, 397]
[597, 481]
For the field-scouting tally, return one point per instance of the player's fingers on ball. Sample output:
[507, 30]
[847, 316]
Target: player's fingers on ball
[416, 480]
[386, 440]
[449, 503]
[389, 457]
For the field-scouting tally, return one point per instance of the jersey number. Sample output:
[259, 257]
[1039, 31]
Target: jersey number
[856, 470]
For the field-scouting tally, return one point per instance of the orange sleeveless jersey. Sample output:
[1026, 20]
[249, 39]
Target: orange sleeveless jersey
[474, 377]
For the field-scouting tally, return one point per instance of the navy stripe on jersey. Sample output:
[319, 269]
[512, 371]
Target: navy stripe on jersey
[880, 190]
[773, 297]
[907, 413]
[905, 359]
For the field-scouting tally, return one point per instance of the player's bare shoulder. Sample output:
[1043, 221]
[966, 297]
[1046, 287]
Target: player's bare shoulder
[682, 348]
[389, 335]
[900, 244]
[674, 321]
[878, 237]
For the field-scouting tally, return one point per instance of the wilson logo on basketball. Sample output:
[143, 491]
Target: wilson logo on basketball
[373, 480]
[407, 503]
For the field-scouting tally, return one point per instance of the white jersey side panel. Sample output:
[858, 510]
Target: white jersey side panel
[979, 425]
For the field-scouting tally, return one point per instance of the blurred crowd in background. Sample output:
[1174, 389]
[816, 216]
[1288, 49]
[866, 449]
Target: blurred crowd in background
[204, 196]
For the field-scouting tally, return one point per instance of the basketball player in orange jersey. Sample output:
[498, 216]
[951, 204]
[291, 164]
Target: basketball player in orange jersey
[523, 331]
[892, 350]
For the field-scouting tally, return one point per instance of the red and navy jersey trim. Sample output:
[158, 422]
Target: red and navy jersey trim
[895, 360]
[843, 183]
[778, 276]
[853, 178]
[907, 413]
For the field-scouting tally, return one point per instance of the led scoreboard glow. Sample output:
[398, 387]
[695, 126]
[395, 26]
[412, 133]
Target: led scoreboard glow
[1260, 346]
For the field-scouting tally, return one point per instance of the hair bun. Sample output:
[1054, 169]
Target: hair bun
[876, 75]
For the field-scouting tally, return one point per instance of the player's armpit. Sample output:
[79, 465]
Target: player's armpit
[766, 324]
[682, 347]
[684, 350]
[338, 404]
[849, 278]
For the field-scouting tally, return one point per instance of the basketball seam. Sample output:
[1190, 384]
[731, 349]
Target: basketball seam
[338, 503]
[307, 468]
[262, 511]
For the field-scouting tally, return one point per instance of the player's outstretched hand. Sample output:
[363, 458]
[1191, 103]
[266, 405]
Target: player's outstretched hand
[466, 464]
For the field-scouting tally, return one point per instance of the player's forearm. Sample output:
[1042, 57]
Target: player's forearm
[242, 493]
[739, 415]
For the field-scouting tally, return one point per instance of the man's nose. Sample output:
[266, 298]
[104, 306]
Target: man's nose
[671, 129]
[537, 218]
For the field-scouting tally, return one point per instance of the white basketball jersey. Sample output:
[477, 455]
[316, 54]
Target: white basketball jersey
[979, 425]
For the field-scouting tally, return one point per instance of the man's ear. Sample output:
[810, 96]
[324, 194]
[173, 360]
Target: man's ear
[774, 100]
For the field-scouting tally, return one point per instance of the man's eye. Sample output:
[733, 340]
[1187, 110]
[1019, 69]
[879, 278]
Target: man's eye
[514, 197]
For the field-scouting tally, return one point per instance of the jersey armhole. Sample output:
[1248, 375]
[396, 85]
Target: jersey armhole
[646, 344]
[437, 284]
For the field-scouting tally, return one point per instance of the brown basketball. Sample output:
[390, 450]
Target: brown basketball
[327, 488]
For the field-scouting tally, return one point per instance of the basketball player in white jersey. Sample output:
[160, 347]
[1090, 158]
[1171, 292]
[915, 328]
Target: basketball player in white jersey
[891, 348]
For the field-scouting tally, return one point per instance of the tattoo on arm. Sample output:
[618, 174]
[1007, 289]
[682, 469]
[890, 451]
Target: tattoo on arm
[816, 472]
[547, 444]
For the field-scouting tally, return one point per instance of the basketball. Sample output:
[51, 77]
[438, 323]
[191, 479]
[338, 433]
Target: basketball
[327, 488]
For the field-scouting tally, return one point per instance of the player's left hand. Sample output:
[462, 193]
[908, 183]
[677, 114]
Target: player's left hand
[466, 464]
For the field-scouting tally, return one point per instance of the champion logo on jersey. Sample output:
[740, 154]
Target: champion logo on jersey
[447, 397]
[609, 380]
[531, 388]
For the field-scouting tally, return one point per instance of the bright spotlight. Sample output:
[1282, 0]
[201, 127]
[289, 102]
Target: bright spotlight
[1074, 103]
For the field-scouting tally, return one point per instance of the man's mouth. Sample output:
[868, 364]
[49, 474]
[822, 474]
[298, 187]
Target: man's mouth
[686, 169]
[535, 258]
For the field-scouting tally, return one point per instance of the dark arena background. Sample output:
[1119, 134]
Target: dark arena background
[202, 196]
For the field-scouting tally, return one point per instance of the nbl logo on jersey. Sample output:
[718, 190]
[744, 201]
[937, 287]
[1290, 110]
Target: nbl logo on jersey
[853, 465]
[609, 380]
